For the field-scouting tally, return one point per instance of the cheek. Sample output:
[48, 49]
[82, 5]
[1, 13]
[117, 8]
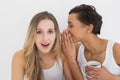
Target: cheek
[73, 32]
[37, 39]
[52, 38]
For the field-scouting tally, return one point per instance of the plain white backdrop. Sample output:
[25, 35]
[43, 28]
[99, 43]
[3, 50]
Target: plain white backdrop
[15, 16]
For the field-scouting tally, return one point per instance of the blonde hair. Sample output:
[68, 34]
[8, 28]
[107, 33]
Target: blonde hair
[33, 70]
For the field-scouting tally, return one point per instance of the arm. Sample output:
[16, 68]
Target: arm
[75, 69]
[116, 52]
[18, 66]
[66, 69]
[69, 50]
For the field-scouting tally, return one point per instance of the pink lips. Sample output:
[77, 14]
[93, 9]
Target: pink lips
[45, 45]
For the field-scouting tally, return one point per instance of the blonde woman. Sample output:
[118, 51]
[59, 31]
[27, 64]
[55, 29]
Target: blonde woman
[41, 57]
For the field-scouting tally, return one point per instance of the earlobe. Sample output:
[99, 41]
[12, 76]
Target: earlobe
[90, 28]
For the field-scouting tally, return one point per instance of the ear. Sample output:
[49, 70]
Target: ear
[90, 28]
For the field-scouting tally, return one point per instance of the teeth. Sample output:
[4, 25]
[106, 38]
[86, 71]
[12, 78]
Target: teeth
[45, 44]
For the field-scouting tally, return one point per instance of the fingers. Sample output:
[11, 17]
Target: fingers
[66, 39]
[70, 39]
[64, 42]
[91, 76]
[92, 73]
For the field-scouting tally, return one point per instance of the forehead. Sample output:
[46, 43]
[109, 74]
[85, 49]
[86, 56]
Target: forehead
[45, 24]
[73, 16]
[73, 19]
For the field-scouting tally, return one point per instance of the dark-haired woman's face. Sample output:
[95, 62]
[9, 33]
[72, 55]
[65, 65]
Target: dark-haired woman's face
[76, 28]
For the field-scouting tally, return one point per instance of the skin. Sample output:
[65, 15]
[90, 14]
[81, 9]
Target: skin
[45, 35]
[95, 48]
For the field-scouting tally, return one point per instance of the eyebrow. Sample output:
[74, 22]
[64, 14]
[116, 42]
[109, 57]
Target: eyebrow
[48, 29]
[38, 29]
[51, 29]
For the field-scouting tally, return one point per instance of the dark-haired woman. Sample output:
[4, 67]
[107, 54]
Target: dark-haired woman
[84, 25]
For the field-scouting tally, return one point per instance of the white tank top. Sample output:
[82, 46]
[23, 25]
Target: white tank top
[53, 73]
[109, 62]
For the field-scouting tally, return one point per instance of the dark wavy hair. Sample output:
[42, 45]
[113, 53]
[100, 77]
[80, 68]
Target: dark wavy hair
[87, 14]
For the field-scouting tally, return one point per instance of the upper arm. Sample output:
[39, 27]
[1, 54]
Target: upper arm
[66, 69]
[18, 66]
[116, 51]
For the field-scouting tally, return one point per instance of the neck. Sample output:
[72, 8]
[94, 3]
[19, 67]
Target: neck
[44, 55]
[95, 45]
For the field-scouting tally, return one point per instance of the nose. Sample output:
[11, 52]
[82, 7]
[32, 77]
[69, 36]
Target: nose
[45, 37]
[68, 29]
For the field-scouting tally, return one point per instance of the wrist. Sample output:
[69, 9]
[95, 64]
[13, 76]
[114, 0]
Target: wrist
[71, 58]
[73, 61]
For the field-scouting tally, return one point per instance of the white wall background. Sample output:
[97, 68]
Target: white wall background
[15, 16]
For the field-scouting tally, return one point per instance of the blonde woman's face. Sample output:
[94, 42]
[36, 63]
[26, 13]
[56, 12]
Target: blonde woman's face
[45, 36]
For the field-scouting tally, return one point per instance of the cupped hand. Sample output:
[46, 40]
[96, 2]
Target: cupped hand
[68, 46]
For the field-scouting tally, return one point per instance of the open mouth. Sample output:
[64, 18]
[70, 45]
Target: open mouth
[45, 44]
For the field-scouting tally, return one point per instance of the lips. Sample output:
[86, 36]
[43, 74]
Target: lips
[45, 45]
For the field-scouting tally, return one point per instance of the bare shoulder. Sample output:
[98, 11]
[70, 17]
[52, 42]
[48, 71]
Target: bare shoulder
[18, 57]
[116, 51]
[18, 54]
[18, 65]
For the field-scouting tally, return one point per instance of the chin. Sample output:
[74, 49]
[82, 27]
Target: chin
[45, 51]
[75, 40]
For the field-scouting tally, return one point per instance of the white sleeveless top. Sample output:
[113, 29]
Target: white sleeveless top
[53, 73]
[109, 62]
